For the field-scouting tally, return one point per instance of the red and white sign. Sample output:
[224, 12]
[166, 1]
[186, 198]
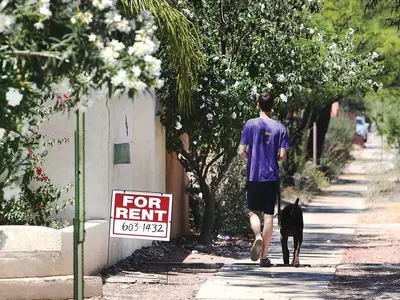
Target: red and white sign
[141, 215]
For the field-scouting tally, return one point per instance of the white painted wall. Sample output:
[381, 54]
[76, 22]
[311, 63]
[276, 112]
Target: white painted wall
[105, 125]
[49, 252]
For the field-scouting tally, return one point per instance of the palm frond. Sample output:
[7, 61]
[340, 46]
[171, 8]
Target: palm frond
[182, 40]
[372, 4]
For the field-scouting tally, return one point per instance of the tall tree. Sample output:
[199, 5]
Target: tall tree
[251, 47]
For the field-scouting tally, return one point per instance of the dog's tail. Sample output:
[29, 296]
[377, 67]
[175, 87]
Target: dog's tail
[296, 204]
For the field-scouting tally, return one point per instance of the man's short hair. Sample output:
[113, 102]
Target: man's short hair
[266, 102]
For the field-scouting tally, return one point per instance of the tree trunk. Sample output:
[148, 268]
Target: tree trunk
[209, 214]
[322, 128]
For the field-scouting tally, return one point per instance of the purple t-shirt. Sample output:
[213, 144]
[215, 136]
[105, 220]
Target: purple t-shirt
[264, 138]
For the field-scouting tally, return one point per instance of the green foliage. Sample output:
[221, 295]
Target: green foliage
[393, 5]
[262, 47]
[231, 213]
[337, 147]
[59, 224]
[89, 44]
[39, 198]
[387, 114]
[181, 40]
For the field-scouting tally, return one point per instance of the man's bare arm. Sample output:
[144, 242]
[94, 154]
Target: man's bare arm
[242, 151]
[282, 154]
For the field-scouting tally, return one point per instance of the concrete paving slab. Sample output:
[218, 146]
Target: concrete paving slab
[266, 283]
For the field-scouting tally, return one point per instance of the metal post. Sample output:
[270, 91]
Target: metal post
[315, 144]
[79, 220]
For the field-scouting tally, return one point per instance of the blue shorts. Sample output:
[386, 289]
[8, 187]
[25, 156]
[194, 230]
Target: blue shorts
[261, 196]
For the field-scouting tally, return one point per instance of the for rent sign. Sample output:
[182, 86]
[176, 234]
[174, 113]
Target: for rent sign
[141, 215]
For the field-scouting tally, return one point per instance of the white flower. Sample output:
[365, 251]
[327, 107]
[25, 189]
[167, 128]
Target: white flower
[209, 116]
[233, 115]
[11, 192]
[92, 37]
[86, 17]
[283, 98]
[112, 17]
[110, 53]
[143, 47]
[301, 26]
[352, 73]
[311, 30]
[102, 4]
[13, 97]
[237, 83]
[216, 104]
[73, 20]
[46, 12]
[2, 133]
[269, 85]
[254, 90]
[159, 83]
[369, 81]
[136, 71]
[178, 126]
[123, 26]
[38, 25]
[117, 45]
[140, 86]
[262, 65]
[6, 22]
[333, 46]
[12, 135]
[280, 78]
[351, 31]
[153, 66]
[119, 78]
[375, 55]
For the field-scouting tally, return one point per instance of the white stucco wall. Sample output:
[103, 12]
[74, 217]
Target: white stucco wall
[105, 125]
[49, 252]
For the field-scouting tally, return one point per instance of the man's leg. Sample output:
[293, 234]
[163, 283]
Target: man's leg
[267, 234]
[258, 243]
[255, 223]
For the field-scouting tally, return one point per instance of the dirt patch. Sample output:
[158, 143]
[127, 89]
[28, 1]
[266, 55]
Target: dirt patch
[173, 270]
[376, 242]
[381, 213]
[358, 283]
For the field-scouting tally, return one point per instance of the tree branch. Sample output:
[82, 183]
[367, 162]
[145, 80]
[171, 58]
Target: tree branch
[191, 161]
[218, 156]
[41, 54]
[203, 163]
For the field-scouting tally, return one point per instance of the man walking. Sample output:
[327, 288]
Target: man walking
[267, 143]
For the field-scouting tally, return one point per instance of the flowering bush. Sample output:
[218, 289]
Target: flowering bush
[88, 43]
[36, 202]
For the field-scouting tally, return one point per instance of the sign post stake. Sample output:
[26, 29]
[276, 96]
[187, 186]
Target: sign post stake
[79, 220]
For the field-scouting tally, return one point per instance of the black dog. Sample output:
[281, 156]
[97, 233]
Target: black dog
[292, 225]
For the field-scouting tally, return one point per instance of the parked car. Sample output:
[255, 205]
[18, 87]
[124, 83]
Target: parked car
[362, 127]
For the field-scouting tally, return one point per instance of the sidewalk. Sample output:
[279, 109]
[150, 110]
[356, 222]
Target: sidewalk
[330, 221]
